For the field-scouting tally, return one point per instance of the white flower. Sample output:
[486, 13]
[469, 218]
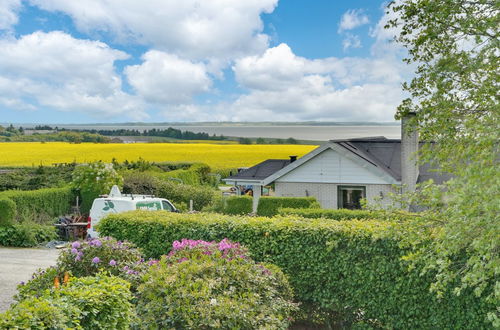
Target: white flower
[213, 301]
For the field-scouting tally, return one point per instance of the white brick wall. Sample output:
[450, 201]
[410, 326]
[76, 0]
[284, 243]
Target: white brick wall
[326, 193]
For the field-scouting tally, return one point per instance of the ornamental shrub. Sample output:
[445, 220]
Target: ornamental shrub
[349, 267]
[7, 211]
[238, 205]
[41, 205]
[26, 234]
[41, 281]
[183, 193]
[41, 313]
[269, 206]
[202, 285]
[104, 301]
[89, 257]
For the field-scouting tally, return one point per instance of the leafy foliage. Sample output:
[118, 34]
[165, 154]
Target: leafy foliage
[26, 234]
[352, 268]
[40, 205]
[269, 206]
[454, 45]
[32, 178]
[7, 211]
[344, 214]
[93, 180]
[183, 193]
[214, 285]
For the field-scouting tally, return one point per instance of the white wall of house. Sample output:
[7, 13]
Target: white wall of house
[326, 193]
[332, 167]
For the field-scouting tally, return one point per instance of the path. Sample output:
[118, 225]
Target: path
[18, 264]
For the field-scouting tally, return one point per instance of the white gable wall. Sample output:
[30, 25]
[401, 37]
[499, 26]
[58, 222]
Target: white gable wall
[332, 167]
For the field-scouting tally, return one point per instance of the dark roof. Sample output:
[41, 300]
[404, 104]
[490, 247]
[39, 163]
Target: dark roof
[379, 151]
[261, 170]
[386, 154]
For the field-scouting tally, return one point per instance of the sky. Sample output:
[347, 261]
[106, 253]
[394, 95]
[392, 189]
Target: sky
[105, 61]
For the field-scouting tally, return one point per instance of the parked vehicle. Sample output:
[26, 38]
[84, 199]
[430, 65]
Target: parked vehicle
[116, 202]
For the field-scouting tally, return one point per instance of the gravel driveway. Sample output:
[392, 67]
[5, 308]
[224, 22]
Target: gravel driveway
[16, 265]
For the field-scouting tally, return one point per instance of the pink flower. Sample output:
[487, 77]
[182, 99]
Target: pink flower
[182, 260]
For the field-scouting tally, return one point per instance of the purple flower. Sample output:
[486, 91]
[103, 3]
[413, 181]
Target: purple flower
[96, 260]
[78, 258]
[76, 245]
[112, 262]
[22, 283]
[97, 243]
[74, 251]
[152, 262]
[182, 260]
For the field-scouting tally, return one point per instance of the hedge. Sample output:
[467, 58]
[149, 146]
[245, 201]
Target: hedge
[26, 234]
[183, 193]
[238, 205]
[8, 211]
[352, 267]
[341, 214]
[269, 206]
[196, 175]
[40, 205]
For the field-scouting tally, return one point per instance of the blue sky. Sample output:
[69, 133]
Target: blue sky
[93, 61]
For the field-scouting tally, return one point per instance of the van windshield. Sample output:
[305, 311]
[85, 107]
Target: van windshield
[167, 206]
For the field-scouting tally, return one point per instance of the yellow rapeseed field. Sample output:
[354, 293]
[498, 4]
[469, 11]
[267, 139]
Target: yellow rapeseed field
[215, 155]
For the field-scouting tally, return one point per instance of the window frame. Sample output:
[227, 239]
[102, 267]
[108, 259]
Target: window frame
[340, 200]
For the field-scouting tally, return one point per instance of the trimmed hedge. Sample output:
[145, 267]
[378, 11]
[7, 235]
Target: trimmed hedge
[269, 206]
[26, 234]
[40, 205]
[238, 205]
[8, 211]
[340, 214]
[183, 193]
[196, 175]
[349, 267]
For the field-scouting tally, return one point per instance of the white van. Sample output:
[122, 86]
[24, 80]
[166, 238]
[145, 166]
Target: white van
[115, 202]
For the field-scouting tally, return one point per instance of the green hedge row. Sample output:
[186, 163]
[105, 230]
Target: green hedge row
[238, 205]
[38, 205]
[196, 175]
[26, 234]
[340, 214]
[269, 206]
[183, 193]
[348, 267]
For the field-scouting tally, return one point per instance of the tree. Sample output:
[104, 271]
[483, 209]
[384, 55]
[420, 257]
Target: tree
[454, 45]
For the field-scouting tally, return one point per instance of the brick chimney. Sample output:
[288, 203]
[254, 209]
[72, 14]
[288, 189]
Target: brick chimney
[409, 156]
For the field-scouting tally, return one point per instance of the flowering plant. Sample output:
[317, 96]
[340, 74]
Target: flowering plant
[203, 284]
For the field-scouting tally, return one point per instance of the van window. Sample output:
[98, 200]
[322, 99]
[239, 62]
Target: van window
[167, 206]
[148, 206]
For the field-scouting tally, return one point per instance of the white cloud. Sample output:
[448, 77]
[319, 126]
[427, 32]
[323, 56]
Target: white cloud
[283, 86]
[352, 19]
[57, 71]
[165, 78]
[351, 41]
[8, 13]
[220, 29]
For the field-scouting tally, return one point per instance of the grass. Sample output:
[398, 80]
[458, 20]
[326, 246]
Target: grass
[215, 155]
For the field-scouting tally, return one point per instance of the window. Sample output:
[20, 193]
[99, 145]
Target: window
[167, 206]
[349, 197]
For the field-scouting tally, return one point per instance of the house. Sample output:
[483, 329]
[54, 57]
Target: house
[342, 172]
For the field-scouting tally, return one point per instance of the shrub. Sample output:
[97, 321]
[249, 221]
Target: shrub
[87, 258]
[40, 205]
[142, 183]
[269, 206]
[182, 193]
[203, 285]
[41, 281]
[104, 301]
[7, 211]
[340, 214]
[353, 267]
[41, 313]
[238, 205]
[26, 234]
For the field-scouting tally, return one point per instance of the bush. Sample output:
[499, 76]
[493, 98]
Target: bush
[202, 285]
[26, 234]
[104, 301]
[348, 267]
[41, 205]
[182, 193]
[195, 175]
[269, 206]
[41, 313]
[7, 211]
[87, 258]
[41, 281]
[142, 183]
[340, 214]
[238, 205]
